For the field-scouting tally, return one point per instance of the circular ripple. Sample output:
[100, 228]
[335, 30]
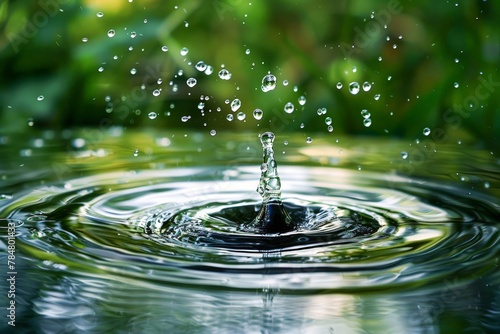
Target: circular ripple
[185, 227]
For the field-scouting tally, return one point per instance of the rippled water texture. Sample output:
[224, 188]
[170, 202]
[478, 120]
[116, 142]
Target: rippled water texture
[152, 233]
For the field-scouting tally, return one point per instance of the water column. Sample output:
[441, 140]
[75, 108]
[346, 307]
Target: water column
[272, 217]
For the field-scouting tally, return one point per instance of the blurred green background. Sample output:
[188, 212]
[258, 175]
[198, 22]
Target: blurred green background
[434, 64]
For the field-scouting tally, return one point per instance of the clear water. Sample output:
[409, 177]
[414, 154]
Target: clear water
[152, 232]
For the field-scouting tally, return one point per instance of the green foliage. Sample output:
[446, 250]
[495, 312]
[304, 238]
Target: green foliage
[411, 53]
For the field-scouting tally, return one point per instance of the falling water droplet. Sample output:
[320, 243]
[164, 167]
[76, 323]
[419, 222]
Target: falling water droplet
[354, 88]
[268, 83]
[366, 86]
[191, 82]
[456, 85]
[185, 118]
[376, 97]
[235, 104]
[111, 33]
[133, 71]
[85, 39]
[289, 107]
[224, 74]
[257, 114]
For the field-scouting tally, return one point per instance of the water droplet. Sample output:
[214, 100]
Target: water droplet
[99, 14]
[257, 114]
[40, 98]
[133, 34]
[85, 39]
[156, 92]
[191, 82]
[184, 51]
[136, 152]
[152, 115]
[31, 122]
[100, 69]
[164, 48]
[201, 105]
[213, 132]
[268, 83]
[309, 140]
[376, 97]
[404, 154]
[224, 74]
[285, 82]
[201, 66]
[133, 71]
[289, 107]
[247, 51]
[328, 120]
[111, 33]
[365, 113]
[456, 60]
[366, 86]
[354, 88]
[367, 122]
[241, 116]
[330, 128]
[185, 118]
[426, 131]
[339, 85]
[229, 117]
[209, 70]
[295, 89]
[302, 100]
[235, 104]
[455, 85]
[302, 125]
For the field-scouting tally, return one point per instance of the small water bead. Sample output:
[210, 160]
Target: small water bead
[201, 66]
[456, 60]
[213, 132]
[209, 70]
[184, 51]
[229, 117]
[133, 71]
[328, 120]
[224, 74]
[40, 98]
[133, 34]
[295, 89]
[111, 33]
[367, 122]
[302, 125]
[257, 114]
[185, 118]
[136, 152]
[268, 83]
[309, 140]
[354, 88]
[426, 131]
[366, 86]
[302, 100]
[404, 155]
[376, 97]
[285, 82]
[164, 48]
[191, 82]
[247, 51]
[330, 128]
[456, 85]
[339, 85]
[365, 113]
[99, 14]
[289, 107]
[201, 105]
[100, 69]
[235, 104]
[152, 115]
[241, 116]
[156, 92]
[85, 39]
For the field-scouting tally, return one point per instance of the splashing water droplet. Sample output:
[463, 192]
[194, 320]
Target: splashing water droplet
[257, 114]
[426, 131]
[191, 82]
[268, 83]
[111, 33]
[224, 74]
[152, 115]
[289, 107]
[365, 113]
[184, 51]
[354, 88]
[235, 104]
[366, 86]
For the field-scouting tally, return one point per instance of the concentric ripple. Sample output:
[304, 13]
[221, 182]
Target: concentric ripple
[186, 226]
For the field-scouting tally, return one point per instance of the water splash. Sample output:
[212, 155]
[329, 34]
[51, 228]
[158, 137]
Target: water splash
[272, 216]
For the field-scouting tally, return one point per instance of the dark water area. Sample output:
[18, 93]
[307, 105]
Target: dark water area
[147, 232]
